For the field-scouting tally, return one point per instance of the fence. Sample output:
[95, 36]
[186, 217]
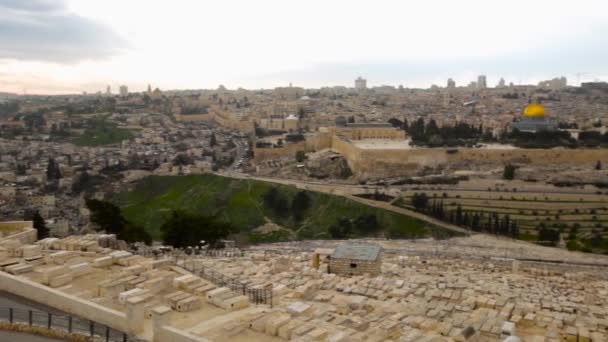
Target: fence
[65, 323]
[255, 295]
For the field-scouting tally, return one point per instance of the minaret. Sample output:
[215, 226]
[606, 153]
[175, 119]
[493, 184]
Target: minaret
[149, 88]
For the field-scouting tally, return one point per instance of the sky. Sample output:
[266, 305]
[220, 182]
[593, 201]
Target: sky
[71, 46]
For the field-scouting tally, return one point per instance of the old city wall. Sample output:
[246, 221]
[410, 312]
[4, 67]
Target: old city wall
[396, 162]
[63, 301]
[311, 144]
[532, 156]
[388, 163]
[223, 120]
[192, 117]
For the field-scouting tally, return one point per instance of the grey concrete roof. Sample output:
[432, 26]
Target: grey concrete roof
[367, 252]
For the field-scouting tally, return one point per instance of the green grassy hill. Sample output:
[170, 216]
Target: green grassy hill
[241, 202]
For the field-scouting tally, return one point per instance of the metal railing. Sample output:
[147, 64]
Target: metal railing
[255, 295]
[64, 323]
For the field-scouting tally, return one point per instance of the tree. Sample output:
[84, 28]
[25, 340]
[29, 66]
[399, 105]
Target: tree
[300, 156]
[81, 182]
[300, 204]
[276, 201]
[508, 172]
[182, 159]
[52, 170]
[459, 217]
[212, 141]
[341, 229]
[186, 230]
[548, 236]
[40, 226]
[420, 201]
[108, 217]
[366, 224]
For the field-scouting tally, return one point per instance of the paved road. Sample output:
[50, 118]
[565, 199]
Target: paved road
[40, 318]
[7, 336]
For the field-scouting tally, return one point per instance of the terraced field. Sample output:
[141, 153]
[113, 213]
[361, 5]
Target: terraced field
[577, 216]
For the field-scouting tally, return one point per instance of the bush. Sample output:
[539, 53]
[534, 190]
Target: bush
[508, 172]
[300, 156]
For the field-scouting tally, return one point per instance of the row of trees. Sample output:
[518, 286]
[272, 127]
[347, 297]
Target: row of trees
[430, 134]
[184, 229]
[282, 207]
[491, 223]
[181, 229]
[364, 225]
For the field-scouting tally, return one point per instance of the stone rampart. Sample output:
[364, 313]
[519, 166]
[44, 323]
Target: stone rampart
[395, 162]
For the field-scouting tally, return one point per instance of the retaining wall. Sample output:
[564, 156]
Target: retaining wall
[73, 305]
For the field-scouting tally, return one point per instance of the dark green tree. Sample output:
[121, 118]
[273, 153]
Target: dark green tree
[108, 217]
[184, 229]
[276, 201]
[40, 225]
[300, 156]
[341, 229]
[420, 201]
[52, 170]
[508, 172]
[300, 204]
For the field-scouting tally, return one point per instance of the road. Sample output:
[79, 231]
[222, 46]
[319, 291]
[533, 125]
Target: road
[8, 336]
[40, 318]
[8, 300]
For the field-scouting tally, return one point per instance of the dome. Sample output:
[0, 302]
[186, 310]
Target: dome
[534, 111]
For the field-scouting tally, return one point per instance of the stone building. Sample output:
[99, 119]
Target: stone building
[356, 259]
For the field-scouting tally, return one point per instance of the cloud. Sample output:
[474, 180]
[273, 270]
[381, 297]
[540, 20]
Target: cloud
[44, 30]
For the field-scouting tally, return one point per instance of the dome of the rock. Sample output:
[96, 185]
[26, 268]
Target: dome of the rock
[534, 111]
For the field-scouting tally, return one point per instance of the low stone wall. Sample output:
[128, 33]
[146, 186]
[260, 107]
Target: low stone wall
[62, 301]
[176, 335]
[342, 267]
[26, 237]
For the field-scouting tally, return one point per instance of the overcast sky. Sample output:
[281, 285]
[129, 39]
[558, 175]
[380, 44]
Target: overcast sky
[67, 46]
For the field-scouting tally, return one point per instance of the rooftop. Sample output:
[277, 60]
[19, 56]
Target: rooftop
[367, 252]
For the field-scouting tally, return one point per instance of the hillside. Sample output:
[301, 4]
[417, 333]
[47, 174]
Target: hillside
[245, 204]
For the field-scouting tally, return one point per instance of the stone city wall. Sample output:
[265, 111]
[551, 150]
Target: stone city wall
[311, 144]
[62, 301]
[225, 121]
[396, 162]
[192, 117]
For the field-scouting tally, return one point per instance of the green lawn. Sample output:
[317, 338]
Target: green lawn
[241, 203]
[102, 132]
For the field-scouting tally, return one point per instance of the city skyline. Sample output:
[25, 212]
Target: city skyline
[57, 47]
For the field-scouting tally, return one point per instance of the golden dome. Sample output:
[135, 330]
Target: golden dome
[534, 111]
